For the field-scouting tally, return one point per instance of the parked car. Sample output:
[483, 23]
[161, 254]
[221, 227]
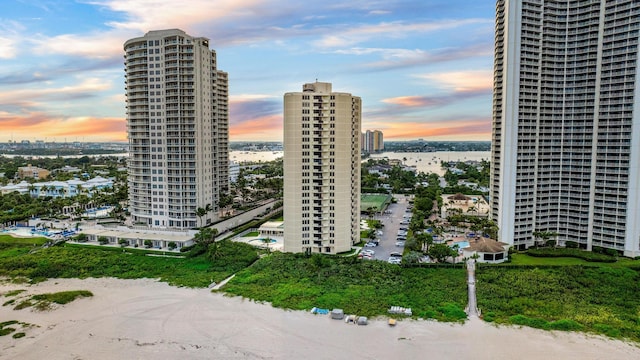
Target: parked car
[395, 254]
[399, 243]
[394, 260]
[368, 251]
[370, 244]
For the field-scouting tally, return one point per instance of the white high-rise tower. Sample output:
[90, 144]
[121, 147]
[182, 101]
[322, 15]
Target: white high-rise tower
[566, 123]
[177, 121]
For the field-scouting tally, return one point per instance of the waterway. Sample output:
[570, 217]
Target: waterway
[429, 162]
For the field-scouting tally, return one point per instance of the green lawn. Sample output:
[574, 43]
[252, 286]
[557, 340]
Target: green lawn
[252, 234]
[524, 259]
[375, 201]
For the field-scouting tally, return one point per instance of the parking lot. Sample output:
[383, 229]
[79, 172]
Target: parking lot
[391, 222]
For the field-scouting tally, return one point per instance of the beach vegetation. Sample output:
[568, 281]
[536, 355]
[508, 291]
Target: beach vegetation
[367, 288]
[19, 335]
[13, 292]
[81, 261]
[598, 299]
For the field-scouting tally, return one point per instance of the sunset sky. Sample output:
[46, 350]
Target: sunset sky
[423, 68]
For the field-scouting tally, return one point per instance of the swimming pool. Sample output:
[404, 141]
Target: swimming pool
[461, 244]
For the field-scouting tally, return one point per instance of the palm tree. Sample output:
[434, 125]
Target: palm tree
[200, 212]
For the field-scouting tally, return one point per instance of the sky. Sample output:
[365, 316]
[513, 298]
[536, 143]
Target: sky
[423, 68]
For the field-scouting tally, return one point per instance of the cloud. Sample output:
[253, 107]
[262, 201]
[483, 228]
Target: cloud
[255, 117]
[31, 97]
[395, 59]
[98, 45]
[268, 127]
[43, 125]
[379, 12]
[349, 35]
[249, 107]
[409, 104]
[22, 78]
[8, 48]
[462, 81]
[443, 128]
[143, 15]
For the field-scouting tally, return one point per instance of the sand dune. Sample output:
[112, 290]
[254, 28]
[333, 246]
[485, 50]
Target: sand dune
[143, 319]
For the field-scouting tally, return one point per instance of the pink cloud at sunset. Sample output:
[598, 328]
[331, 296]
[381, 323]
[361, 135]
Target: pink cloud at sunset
[457, 130]
[57, 128]
[267, 128]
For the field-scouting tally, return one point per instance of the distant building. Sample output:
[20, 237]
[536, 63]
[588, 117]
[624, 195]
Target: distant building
[32, 172]
[59, 189]
[177, 122]
[372, 141]
[234, 171]
[566, 123]
[321, 170]
[473, 205]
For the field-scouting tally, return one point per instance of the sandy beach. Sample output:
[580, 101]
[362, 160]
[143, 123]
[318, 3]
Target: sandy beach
[143, 319]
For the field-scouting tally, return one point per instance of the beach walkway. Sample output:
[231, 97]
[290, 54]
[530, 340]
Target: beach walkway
[472, 306]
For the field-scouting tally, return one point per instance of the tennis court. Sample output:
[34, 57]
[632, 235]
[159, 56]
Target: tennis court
[374, 201]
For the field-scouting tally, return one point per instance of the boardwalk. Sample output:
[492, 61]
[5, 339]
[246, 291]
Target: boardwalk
[472, 306]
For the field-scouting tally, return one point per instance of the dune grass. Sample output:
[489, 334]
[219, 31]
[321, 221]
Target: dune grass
[77, 261]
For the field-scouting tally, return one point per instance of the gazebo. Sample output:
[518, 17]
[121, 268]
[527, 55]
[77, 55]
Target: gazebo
[488, 250]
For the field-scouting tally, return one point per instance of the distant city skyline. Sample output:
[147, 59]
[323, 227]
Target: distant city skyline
[423, 68]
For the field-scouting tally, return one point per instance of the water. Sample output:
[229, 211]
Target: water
[254, 156]
[429, 162]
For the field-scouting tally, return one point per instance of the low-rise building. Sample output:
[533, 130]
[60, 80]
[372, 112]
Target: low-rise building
[474, 205]
[487, 250]
[32, 172]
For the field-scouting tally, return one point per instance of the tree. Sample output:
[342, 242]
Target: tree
[172, 245]
[123, 242]
[200, 212]
[441, 252]
[148, 243]
[206, 236]
[103, 240]
[267, 241]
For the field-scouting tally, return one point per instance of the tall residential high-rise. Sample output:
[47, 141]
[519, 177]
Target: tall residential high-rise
[177, 121]
[372, 141]
[566, 123]
[321, 170]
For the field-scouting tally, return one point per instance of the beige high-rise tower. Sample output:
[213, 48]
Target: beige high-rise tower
[177, 123]
[321, 170]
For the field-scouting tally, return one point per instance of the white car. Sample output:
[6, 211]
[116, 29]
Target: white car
[395, 260]
[368, 251]
[399, 243]
[370, 244]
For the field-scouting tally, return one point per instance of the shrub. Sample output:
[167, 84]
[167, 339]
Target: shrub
[576, 253]
[571, 244]
[565, 325]
[81, 238]
[6, 331]
[18, 335]
[103, 240]
[172, 245]
[550, 243]
[148, 243]
[489, 316]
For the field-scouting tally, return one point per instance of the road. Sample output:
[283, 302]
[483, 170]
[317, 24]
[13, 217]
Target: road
[391, 224]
